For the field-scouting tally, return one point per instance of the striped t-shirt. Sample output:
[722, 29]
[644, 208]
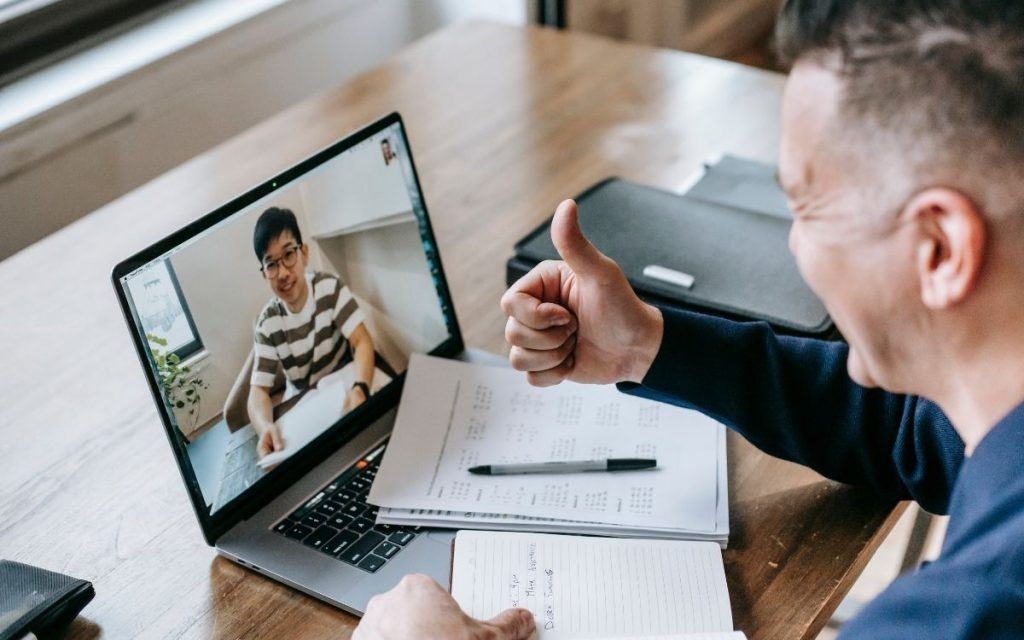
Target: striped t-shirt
[308, 344]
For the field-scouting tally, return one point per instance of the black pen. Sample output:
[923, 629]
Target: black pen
[569, 466]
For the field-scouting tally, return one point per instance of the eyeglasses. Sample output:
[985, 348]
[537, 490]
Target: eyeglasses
[287, 259]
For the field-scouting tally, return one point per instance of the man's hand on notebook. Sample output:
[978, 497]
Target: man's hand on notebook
[420, 608]
[579, 319]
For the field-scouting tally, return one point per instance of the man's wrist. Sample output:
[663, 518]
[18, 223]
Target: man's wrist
[362, 386]
[647, 344]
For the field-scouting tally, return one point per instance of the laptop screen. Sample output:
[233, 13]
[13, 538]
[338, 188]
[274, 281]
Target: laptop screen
[270, 326]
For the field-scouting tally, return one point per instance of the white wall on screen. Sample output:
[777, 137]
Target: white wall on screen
[355, 191]
[387, 267]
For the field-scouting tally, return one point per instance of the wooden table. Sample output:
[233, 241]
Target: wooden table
[504, 122]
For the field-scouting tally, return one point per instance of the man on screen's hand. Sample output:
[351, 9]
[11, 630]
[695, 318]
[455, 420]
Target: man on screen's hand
[355, 397]
[270, 440]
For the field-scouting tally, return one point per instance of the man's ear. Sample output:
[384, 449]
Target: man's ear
[950, 245]
[305, 250]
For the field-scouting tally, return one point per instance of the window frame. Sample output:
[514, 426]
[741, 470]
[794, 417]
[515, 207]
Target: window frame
[34, 33]
[188, 349]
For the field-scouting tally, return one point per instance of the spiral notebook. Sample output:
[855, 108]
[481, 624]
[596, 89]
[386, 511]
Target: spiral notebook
[581, 587]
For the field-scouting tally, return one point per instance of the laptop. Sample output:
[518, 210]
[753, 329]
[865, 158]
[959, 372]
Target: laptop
[233, 356]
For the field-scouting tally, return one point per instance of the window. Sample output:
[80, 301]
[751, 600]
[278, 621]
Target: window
[36, 32]
[163, 311]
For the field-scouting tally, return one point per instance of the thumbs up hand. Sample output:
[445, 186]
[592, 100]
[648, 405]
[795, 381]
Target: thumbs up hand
[578, 319]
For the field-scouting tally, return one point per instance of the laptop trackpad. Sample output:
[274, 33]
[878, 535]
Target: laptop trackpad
[430, 554]
[444, 537]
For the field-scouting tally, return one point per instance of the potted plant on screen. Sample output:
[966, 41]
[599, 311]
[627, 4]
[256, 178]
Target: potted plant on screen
[181, 385]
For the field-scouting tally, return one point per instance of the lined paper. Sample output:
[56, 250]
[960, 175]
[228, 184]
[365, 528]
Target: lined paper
[579, 587]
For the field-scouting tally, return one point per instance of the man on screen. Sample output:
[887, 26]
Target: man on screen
[311, 327]
[389, 153]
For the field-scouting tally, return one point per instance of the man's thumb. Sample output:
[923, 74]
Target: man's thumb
[515, 624]
[278, 441]
[581, 256]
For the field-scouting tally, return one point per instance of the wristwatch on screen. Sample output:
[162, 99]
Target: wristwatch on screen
[362, 385]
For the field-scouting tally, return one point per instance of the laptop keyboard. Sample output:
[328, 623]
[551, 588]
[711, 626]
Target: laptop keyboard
[338, 522]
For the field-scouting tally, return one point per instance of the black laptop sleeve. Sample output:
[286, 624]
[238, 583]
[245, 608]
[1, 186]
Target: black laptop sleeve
[37, 601]
[729, 231]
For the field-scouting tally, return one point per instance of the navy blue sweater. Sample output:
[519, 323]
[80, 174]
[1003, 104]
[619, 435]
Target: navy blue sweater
[792, 398]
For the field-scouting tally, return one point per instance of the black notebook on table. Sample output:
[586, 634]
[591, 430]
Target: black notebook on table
[726, 237]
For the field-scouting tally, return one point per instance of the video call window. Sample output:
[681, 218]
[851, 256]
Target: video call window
[294, 312]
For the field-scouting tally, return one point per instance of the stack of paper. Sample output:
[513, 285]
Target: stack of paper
[454, 415]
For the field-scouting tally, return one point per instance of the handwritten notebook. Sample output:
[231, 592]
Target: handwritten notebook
[583, 587]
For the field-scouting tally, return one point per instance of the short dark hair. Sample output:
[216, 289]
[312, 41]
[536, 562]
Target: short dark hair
[958, 63]
[937, 85]
[272, 223]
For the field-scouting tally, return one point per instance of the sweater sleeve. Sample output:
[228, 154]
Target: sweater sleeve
[792, 398]
[957, 601]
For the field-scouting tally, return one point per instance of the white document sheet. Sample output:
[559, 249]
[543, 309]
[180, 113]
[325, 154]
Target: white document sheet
[320, 408]
[455, 415]
[580, 587]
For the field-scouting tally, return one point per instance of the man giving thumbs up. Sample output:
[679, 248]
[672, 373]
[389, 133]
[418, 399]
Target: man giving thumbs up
[579, 319]
[902, 160]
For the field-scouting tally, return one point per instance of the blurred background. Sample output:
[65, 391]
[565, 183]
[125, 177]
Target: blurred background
[89, 88]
